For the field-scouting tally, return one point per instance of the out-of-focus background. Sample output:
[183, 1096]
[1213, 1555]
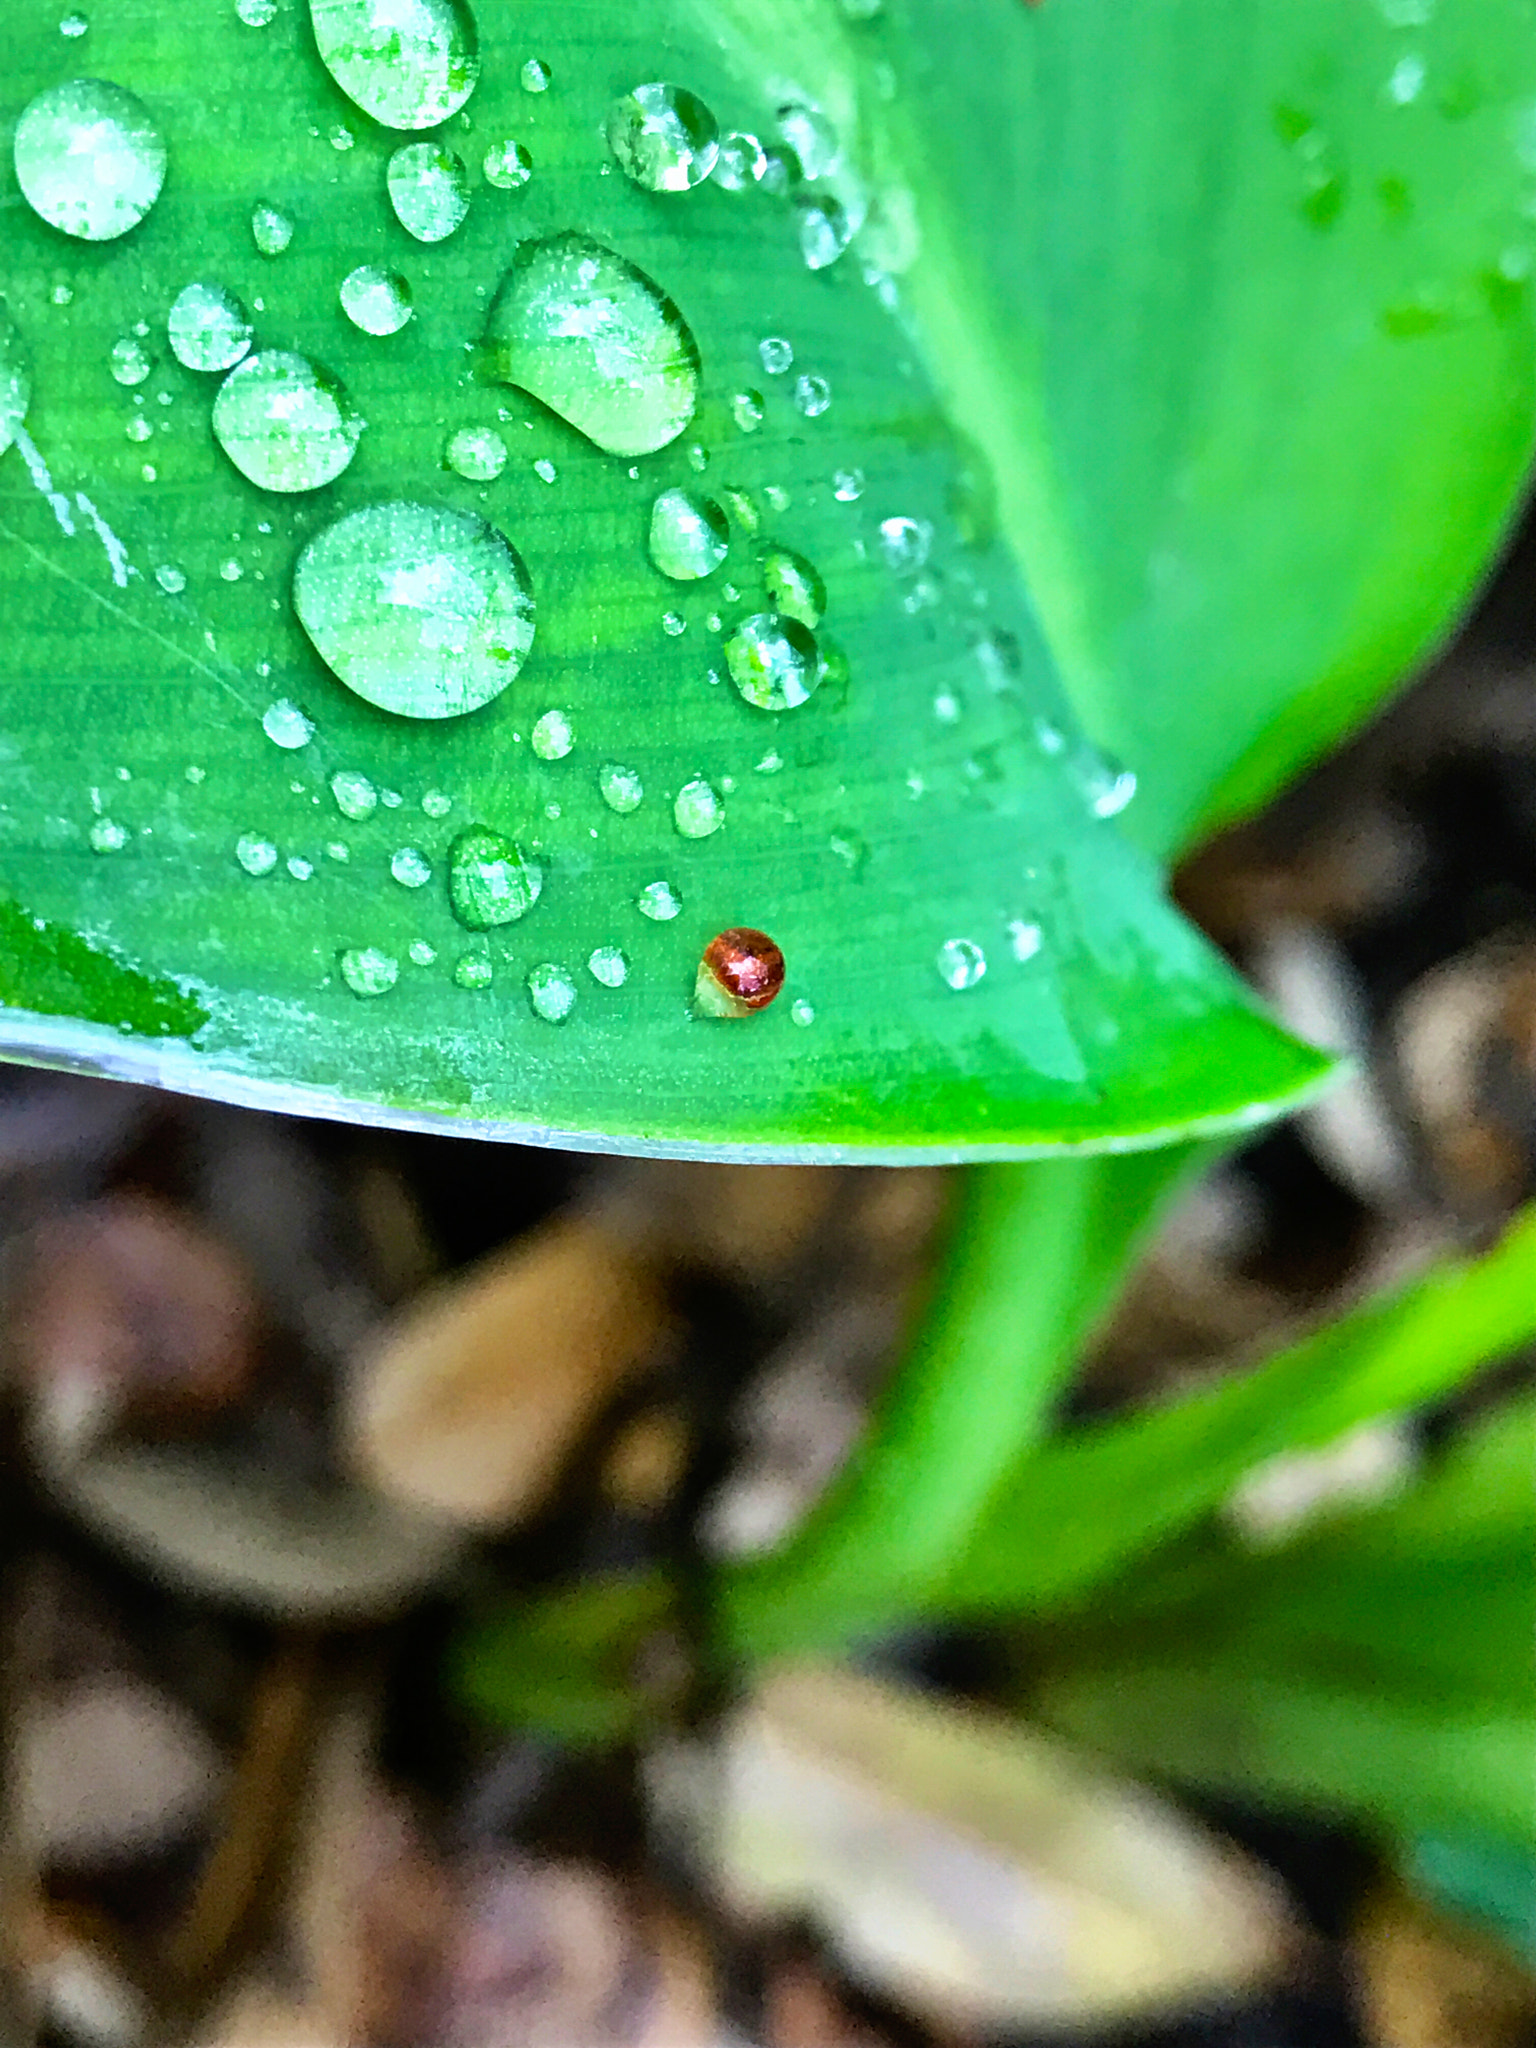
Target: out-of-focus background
[291, 1405]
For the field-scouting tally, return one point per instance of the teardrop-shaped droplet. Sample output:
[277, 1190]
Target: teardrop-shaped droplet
[589, 334]
[620, 787]
[89, 159]
[689, 535]
[490, 880]
[208, 328]
[552, 737]
[697, 810]
[663, 138]
[421, 610]
[795, 585]
[551, 992]
[429, 189]
[271, 229]
[15, 381]
[285, 422]
[608, 965]
[409, 63]
[355, 795]
[774, 661]
[376, 300]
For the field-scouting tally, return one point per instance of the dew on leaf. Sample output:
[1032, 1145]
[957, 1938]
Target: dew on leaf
[105, 836]
[847, 485]
[73, 26]
[825, 232]
[428, 188]
[271, 229]
[422, 953]
[302, 870]
[473, 970]
[812, 137]
[376, 300]
[410, 867]
[337, 849]
[551, 992]
[812, 396]
[284, 422]
[506, 165]
[673, 624]
[89, 159]
[659, 902]
[436, 803]
[139, 429]
[1106, 786]
[256, 855]
[491, 881]
[747, 410]
[369, 972]
[621, 788]
[781, 171]
[128, 362]
[741, 971]
[744, 512]
[608, 965]
[740, 162]
[905, 543]
[355, 795]
[256, 13]
[961, 963]
[231, 570]
[545, 470]
[795, 586]
[208, 328]
[1024, 939]
[477, 453]
[775, 354]
[663, 138]
[15, 381]
[285, 725]
[581, 329]
[697, 810]
[801, 1012]
[422, 610]
[534, 76]
[689, 535]
[171, 580]
[774, 661]
[408, 63]
[552, 736]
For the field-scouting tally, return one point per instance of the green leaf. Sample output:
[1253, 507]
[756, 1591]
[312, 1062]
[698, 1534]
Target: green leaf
[1238, 300]
[934, 789]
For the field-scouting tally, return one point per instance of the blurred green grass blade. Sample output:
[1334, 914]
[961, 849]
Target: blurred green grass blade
[937, 791]
[1238, 300]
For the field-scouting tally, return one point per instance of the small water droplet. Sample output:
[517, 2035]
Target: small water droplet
[1107, 786]
[129, 364]
[506, 164]
[770, 764]
[552, 736]
[961, 963]
[478, 453]
[659, 902]
[376, 300]
[801, 1012]
[408, 63]
[812, 396]
[608, 965]
[741, 971]
[698, 459]
[697, 810]
[256, 13]
[905, 543]
[744, 512]
[89, 159]
[747, 410]
[286, 725]
[61, 295]
[473, 970]
[256, 855]
[355, 795]
[284, 422]
[410, 867]
[391, 799]
[491, 881]
[663, 138]
[946, 707]
[1024, 939]
[15, 381]
[428, 188]
[421, 953]
[301, 870]
[271, 229]
[107, 837]
[812, 137]
[620, 787]
[73, 26]
[208, 328]
[740, 161]
[534, 76]
[825, 232]
[673, 623]
[424, 611]
[369, 972]
[231, 570]
[1406, 81]
[338, 849]
[545, 470]
[341, 137]
[795, 586]
[436, 803]
[775, 354]
[847, 485]
[171, 579]
[689, 535]
[774, 661]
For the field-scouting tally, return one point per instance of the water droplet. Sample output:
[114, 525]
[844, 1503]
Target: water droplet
[825, 232]
[776, 497]
[256, 855]
[208, 328]
[506, 165]
[139, 429]
[551, 992]
[423, 611]
[609, 965]
[473, 970]
[740, 162]
[774, 661]
[742, 970]
[73, 26]
[231, 571]
[1107, 786]
[847, 485]
[744, 512]
[663, 138]
[170, 579]
[286, 725]
[659, 902]
[905, 543]
[436, 803]
[271, 229]
[341, 137]
[545, 470]
[698, 459]
[428, 188]
[552, 736]
[689, 535]
[369, 972]
[578, 327]
[801, 1012]
[355, 795]
[285, 422]
[391, 799]
[410, 867]
[775, 354]
[795, 586]
[534, 76]
[490, 880]
[747, 410]
[1407, 81]
[1024, 939]
[376, 300]
[478, 453]
[107, 837]
[697, 810]
[408, 63]
[770, 764]
[256, 13]
[961, 963]
[813, 139]
[673, 623]
[812, 396]
[129, 364]
[89, 159]
[621, 788]
[338, 849]
[422, 954]
[15, 381]
[301, 870]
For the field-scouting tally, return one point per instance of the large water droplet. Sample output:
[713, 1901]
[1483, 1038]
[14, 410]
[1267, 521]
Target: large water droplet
[284, 422]
[795, 585]
[578, 327]
[369, 972]
[774, 661]
[207, 327]
[89, 159]
[409, 63]
[429, 189]
[663, 138]
[15, 381]
[961, 963]
[506, 164]
[490, 880]
[355, 795]
[697, 810]
[271, 229]
[478, 453]
[620, 787]
[689, 535]
[376, 300]
[609, 965]
[421, 610]
[551, 992]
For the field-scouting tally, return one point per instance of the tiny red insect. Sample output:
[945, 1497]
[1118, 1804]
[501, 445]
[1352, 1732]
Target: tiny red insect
[748, 966]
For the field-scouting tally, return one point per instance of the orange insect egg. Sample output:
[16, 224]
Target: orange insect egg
[742, 971]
